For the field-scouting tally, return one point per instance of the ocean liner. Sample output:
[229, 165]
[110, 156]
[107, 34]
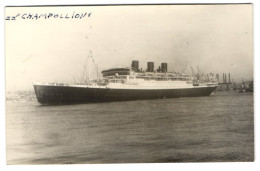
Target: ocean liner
[127, 83]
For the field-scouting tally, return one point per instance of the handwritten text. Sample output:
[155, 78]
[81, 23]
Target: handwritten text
[36, 16]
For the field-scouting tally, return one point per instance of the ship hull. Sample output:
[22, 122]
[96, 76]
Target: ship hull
[50, 94]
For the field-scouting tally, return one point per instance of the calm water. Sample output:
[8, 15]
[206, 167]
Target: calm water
[215, 128]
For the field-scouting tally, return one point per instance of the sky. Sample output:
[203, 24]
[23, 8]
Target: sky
[55, 49]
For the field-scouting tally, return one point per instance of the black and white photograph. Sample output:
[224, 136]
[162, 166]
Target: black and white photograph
[110, 84]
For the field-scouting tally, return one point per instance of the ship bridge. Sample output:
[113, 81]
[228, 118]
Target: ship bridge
[116, 71]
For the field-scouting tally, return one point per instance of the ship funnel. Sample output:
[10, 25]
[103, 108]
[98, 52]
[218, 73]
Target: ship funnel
[150, 66]
[135, 66]
[164, 67]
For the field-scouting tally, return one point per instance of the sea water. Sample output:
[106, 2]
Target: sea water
[219, 127]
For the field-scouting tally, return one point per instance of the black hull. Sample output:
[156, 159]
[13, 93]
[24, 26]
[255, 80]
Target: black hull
[48, 94]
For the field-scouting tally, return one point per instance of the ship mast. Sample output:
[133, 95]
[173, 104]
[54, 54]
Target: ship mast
[86, 78]
[85, 72]
[97, 72]
[198, 72]
[89, 56]
[90, 62]
[188, 68]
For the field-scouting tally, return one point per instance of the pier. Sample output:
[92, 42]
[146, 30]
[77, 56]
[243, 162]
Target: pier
[225, 85]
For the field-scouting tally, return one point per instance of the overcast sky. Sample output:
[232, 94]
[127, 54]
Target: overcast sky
[55, 49]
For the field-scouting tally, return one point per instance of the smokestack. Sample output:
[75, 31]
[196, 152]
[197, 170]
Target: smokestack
[164, 67]
[223, 78]
[150, 66]
[135, 66]
[229, 78]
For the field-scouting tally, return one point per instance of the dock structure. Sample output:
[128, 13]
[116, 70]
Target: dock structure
[244, 86]
[225, 84]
